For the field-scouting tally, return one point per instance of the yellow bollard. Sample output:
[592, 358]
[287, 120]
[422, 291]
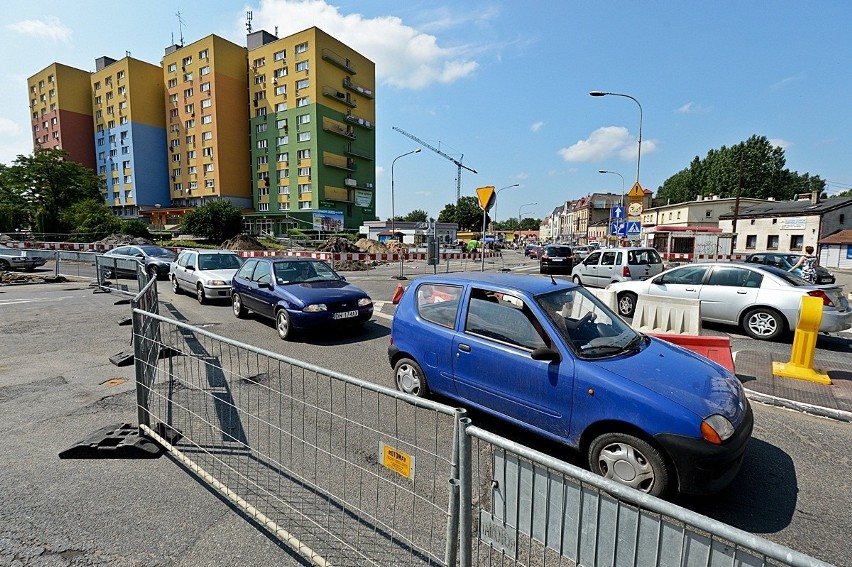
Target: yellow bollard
[801, 365]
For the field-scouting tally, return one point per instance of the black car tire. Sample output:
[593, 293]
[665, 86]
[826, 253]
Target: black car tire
[199, 294]
[631, 461]
[577, 280]
[409, 378]
[175, 286]
[4, 265]
[627, 304]
[282, 324]
[542, 269]
[763, 324]
[237, 305]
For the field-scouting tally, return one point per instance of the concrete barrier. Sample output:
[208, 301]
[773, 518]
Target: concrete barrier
[668, 315]
[606, 296]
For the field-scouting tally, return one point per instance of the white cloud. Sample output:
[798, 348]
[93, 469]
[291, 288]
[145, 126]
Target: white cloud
[692, 108]
[405, 57]
[536, 126]
[779, 143]
[50, 29]
[786, 81]
[8, 128]
[380, 171]
[605, 142]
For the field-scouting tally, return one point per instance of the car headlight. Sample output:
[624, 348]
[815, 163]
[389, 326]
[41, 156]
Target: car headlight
[716, 429]
[217, 282]
[315, 308]
[364, 302]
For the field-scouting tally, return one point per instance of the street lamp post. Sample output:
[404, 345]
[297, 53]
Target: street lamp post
[519, 216]
[393, 207]
[639, 154]
[622, 190]
[498, 194]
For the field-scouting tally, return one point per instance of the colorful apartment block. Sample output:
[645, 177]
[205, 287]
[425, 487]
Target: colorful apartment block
[130, 134]
[312, 131]
[207, 122]
[61, 112]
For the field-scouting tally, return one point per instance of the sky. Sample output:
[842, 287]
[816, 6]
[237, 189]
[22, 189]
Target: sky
[503, 87]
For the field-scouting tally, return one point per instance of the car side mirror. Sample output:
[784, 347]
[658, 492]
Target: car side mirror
[264, 285]
[544, 353]
[190, 267]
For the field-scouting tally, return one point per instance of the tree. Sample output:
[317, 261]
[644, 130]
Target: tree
[756, 166]
[90, 219]
[135, 228]
[417, 215]
[216, 221]
[49, 184]
[465, 213]
[530, 223]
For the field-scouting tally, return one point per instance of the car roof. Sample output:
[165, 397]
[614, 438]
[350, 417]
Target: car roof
[533, 285]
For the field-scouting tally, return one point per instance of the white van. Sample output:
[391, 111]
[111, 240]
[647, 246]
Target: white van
[607, 265]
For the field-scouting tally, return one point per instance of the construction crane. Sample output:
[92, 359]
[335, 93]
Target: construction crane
[458, 163]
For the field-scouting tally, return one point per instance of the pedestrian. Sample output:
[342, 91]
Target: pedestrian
[808, 265]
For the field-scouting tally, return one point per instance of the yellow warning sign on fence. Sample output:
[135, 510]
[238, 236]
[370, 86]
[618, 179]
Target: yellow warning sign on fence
[398, 461]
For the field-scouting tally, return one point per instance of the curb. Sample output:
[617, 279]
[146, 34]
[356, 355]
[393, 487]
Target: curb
[820, 411]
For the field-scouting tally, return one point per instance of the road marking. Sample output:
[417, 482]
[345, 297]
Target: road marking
[33, 300]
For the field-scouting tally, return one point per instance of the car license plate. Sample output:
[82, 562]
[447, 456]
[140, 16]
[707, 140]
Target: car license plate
[344, 315]
[556, 259]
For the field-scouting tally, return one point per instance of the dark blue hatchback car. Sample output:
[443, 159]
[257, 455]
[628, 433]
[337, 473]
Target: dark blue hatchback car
[298, 293]
[550, 357]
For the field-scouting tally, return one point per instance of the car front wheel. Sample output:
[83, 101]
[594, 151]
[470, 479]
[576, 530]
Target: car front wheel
[282, 324]
[577, 280]
[409, 378]
[237, 304]
[763, 324]
[627, 304]
[199, 294]
[631, 461]
[175, 286]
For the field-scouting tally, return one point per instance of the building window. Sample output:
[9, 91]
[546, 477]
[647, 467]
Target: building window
[187, 93]
[304, 136]
[259, 62]
[97, 86]
[192, 185]
[260, 127]
[772, 242]
[190, 139]
[189, 108]
[206, 119]
[283, 190]
[304, 188]
[207, 152]
[172, 83]
[281, 140]
[304, 204]
[302, 66]
[304, 154]
[751, 242]
[176, 158]
[302, 47]
[204, 70]
[796, 242]
[172, 67]
[263, 207]
[202, 54]
[192, 170]
[278, 73]
[262, 160]
[122, 120]
[206, 136]
[259, 79]
[283, 157]
[281, 107]
[176, 172]
[279, 55]
[260, 112]
[206, 103]
[208, 168]
[190, 154]
[303, 101]
[302, 84]
[304, 118]
[187, 61]
[187, 77]
[189, 123]
[210, 184]
[125, 150]
[304, 172]
[178, 187]
[205, 87]
[262, 144]
[281, 90]
[128, 179]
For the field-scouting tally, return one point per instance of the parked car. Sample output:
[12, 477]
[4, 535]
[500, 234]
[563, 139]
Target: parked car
[156, 260]
[298, 293]
[551, 358]
[763, 300]
[607, 265]
[206, 273]
[787, 261]
[555, 258]
[14, 259]
[529, 247]
[534, 251]
[580, 252]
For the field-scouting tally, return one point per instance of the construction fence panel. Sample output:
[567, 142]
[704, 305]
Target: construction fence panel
[122, 275]
[523, 507]
[346, 472]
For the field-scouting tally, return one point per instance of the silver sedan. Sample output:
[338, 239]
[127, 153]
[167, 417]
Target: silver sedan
[763, 300]
[206, 273]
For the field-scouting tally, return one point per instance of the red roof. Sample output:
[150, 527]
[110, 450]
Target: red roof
[840, 237]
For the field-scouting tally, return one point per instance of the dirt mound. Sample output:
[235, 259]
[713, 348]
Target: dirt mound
[243, 242]
[353, 266]
[337, 244]
[395, 246]
[370, 246]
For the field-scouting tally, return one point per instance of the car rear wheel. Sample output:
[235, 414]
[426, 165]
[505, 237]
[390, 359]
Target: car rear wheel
[627, 304]
[199, 294]
[237, 304]
[577, 280]
[175, 286]
[4, 265]
[282, 324]
[409, 378]
[763, 324]
[631, 461]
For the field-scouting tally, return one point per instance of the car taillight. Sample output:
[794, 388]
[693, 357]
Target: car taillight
[625, 272]
[821, 294]
[545, 257]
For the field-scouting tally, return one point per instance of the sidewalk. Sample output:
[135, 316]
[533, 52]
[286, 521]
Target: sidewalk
[754, 369]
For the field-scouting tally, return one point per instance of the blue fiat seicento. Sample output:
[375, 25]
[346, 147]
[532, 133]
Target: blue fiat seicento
[548, 356]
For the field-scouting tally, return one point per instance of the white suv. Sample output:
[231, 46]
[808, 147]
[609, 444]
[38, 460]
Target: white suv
[607, 265]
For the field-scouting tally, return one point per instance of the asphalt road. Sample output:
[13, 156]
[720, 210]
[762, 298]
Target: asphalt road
[57, 386]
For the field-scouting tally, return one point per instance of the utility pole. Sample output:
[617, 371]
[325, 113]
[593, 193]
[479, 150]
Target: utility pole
[737, 201]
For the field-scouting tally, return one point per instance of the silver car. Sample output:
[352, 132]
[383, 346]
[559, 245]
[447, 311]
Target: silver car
[763, 300]
[206, 273]
[14, 259]
[607, 265]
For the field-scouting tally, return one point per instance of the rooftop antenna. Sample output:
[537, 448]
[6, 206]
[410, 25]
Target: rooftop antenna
[180, 25]
[248, 21]
[276, 31]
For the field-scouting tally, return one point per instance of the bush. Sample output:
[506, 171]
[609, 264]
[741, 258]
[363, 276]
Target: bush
[135, 228]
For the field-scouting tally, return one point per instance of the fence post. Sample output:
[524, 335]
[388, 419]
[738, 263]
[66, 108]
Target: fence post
[465, 492]
[141, 387]
[452, 548]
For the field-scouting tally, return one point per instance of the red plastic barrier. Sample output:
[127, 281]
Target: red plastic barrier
[717, 349]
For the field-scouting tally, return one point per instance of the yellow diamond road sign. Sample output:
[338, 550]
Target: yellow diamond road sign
[486, 197]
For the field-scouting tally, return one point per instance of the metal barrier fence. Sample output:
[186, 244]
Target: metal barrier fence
[523, 507]
[346, 472]
[124, 275]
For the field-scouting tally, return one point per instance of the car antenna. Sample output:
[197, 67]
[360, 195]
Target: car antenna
[553, 281]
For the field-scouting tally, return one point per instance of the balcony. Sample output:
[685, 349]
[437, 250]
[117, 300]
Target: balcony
[338, 128]
[339, 162]
[350, 151]
[348, 84]
[338, 96]
[359, 121]
[338, 61]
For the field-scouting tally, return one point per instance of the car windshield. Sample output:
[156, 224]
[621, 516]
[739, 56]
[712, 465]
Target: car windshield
[290, 272]
[219, 262]
[560, 251]
[158, 252]
[788, 277]
[589, 328]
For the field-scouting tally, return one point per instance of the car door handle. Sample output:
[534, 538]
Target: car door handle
[464, 347]
[742, 292]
